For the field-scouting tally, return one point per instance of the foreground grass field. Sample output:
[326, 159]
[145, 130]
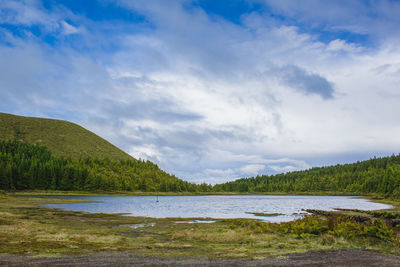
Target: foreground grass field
[26, 228]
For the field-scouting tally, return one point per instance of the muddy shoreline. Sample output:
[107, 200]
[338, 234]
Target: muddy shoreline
[313, 258]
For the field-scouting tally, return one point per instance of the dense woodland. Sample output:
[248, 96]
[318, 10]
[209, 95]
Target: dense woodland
[377, 175]
[25, 166]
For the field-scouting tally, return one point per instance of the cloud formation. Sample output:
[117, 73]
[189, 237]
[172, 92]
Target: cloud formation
[377, 19]
[308, 83]
[208, 97]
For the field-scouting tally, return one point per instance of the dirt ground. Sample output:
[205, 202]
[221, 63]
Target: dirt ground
[316, 258]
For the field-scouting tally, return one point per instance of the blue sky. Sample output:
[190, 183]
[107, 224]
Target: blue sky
[211, 90]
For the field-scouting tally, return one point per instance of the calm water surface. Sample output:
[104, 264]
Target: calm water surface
[217, 206]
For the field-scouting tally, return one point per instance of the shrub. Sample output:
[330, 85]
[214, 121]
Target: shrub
[346, 228]
[377, 229]
[305, 227]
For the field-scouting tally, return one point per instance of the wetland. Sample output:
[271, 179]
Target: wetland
[29, 229]
[269, 208]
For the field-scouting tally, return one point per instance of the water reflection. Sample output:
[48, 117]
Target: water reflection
[250, 206]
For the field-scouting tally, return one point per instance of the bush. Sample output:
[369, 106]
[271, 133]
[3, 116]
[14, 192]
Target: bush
[305, 227]
[346, 228]
[377, 229]
[337, 225]
[343, 226]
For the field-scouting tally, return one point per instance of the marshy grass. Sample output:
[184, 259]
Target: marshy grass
[265, 214]
[26, 228]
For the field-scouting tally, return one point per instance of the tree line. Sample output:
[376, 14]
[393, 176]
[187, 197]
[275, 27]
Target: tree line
[376, 175]
[26, 166]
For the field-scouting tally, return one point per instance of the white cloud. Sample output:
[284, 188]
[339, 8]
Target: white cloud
[145, 152]
[28, 13]
[22, 12]
[209, 100]
[69, 29]
[342, 45]
[252, 169]
[283, 169]
[379, 19]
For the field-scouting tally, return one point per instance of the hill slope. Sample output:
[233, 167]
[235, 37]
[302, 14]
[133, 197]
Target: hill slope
[25, 166]
[62, 138]
[45, 154]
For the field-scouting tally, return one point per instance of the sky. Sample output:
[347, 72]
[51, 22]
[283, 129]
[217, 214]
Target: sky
[211, 90]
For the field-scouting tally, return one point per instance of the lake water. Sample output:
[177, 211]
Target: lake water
[221, 206]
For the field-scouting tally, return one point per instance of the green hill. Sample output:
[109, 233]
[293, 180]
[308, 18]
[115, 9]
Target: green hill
[62, 138]
[26, 166]
[45, 154]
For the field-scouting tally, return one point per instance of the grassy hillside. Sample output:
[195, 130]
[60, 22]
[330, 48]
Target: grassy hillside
[52, 154]
[62, 138]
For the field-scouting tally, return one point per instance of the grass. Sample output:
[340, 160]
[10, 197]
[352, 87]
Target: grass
[62, 138]
[265, 214]
[26, 228]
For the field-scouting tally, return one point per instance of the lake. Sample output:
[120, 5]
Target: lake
[217, 206]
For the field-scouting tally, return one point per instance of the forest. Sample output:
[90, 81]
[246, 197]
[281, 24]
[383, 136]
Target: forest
[374, 176]
[25, 166]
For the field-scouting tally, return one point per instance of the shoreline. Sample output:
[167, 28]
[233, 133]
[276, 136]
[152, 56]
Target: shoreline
[395, 203]
[26, 228]
[311, 258]
[139, 193]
